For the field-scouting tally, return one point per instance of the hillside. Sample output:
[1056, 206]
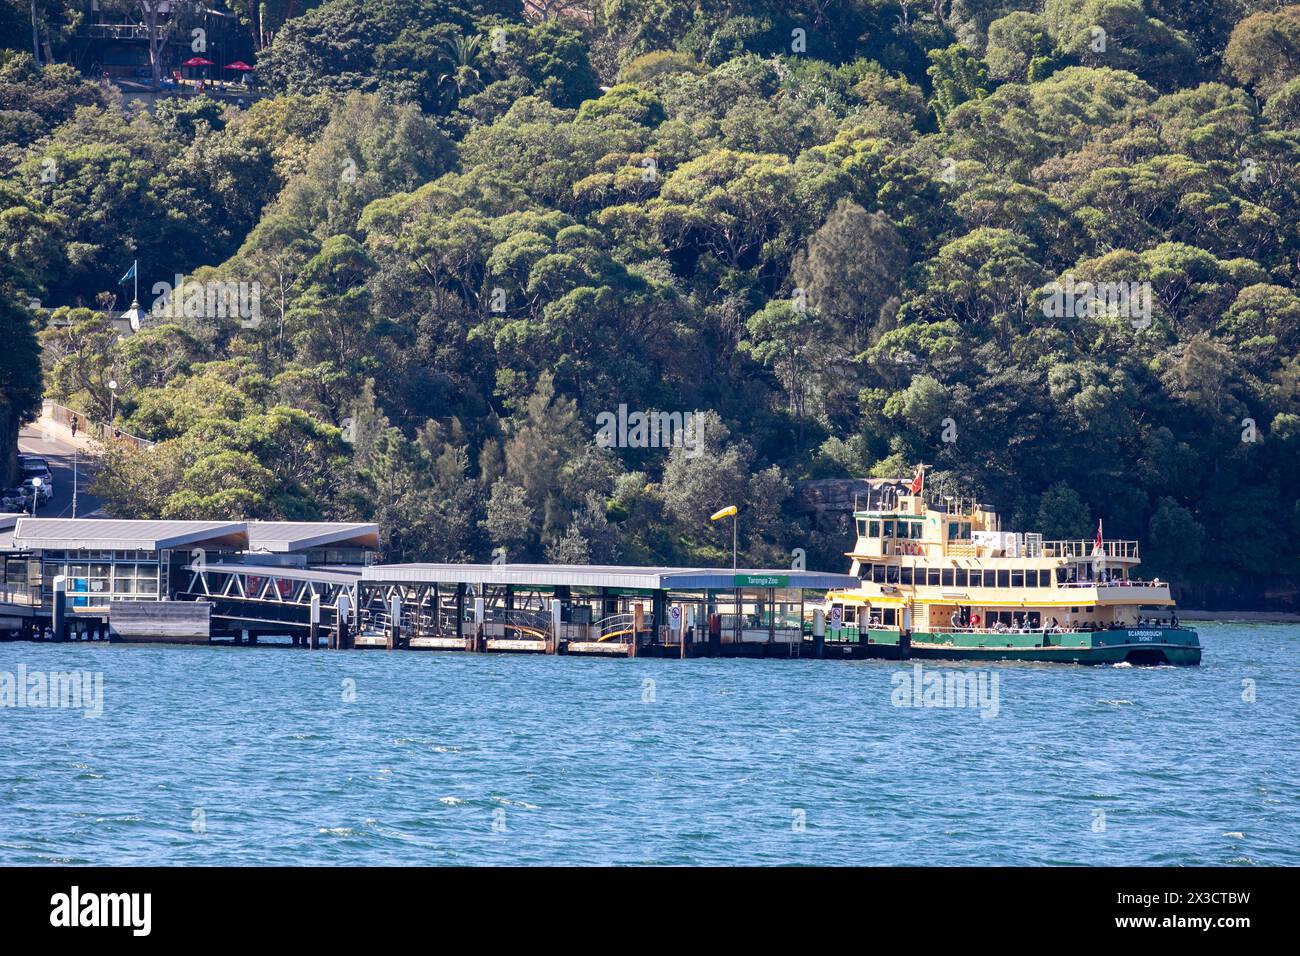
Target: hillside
[827, 229]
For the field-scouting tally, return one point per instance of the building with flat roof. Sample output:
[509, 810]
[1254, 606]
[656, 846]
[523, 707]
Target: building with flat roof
[287, 577]
[109, 559]
[595, 607]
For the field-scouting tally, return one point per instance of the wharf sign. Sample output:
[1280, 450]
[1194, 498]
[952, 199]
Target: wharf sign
[762, 581]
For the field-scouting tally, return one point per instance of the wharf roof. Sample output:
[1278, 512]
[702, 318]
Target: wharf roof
[606, 576]
[286, 536]
[108, 534]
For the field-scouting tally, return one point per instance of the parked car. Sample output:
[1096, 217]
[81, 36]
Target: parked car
[33, 466]
[43, 494]
[15, 500]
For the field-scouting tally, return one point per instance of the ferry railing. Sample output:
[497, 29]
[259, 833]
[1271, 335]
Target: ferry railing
[1123, 583]
[1083, 548]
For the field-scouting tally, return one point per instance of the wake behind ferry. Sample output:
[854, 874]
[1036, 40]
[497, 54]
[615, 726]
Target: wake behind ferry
[941, 580]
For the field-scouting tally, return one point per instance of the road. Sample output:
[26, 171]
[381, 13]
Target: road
[46, 441]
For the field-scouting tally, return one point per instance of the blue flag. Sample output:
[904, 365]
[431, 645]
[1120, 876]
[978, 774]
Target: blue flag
[130, 274]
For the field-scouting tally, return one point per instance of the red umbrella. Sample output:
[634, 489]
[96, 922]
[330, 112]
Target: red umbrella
[198, 61]
[239, 65]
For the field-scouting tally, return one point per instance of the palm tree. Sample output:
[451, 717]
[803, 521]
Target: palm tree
[461, 54]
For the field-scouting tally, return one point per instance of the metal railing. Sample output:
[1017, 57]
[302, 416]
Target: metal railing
[616, 628]
[124, 31]
[99, 431]
[528, 625]
[1083, 548]
[1123, 583]
[22, 594]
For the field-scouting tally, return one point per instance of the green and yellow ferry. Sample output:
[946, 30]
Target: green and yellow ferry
[946, 582]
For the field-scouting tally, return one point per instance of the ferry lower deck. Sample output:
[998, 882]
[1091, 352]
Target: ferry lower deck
[1154, 644]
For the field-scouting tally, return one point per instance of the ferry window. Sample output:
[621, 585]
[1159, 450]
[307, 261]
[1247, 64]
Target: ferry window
[947, 577]
[1061, 575]
[862, 528]
[961, 577]
[878, 573]
[932, 577]
[873, 529]
[906, 574]
[1004, 579]
[891, 574]
[1017, 579]
[889, 617]
[917, 530]
[990, 580]
[1031, 579]
[888, 527]
[958, 531]
[850, 614]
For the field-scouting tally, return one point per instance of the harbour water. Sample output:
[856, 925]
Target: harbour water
[222, 755]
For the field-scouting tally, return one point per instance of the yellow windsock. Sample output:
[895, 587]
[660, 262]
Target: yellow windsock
[726, 512]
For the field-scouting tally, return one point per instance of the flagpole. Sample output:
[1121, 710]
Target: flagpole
[135, 269]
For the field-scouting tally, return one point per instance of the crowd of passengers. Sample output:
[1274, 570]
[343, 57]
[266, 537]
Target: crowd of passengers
[964, 620]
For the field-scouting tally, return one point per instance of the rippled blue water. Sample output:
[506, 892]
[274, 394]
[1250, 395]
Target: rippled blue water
[482, 759]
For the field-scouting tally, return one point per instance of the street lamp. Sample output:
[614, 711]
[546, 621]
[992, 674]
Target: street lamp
[112, 399]
[729, 512]
[36, 492]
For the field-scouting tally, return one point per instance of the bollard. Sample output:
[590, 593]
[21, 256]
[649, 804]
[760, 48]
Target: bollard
[819, 632]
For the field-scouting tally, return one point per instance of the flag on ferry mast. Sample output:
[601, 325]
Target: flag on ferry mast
[918, 482]
[1096, 543]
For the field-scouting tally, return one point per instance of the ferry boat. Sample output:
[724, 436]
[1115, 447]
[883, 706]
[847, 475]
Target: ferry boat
[943, 581]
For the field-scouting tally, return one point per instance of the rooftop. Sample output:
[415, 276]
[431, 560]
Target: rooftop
[117, 534]
[111, 533]
[607, 576]
[285, 536]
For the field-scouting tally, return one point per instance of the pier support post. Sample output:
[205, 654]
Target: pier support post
[313, 637]
[341, 610]
[553, 641]
[819, 632]
[715, 634]
[59, 611]
[394, 621]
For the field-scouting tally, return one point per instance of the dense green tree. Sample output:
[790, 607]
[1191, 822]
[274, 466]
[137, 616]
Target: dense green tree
[473, 233]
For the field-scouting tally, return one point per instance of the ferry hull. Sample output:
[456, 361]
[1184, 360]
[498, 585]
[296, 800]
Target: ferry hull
[1148, 646]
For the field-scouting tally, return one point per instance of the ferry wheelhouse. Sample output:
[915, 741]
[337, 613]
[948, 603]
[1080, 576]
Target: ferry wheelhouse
[942, 580]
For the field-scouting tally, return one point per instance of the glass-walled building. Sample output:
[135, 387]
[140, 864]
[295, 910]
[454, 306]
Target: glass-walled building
[106, 560]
